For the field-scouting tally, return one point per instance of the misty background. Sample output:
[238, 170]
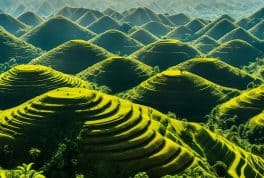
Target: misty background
[207, 9]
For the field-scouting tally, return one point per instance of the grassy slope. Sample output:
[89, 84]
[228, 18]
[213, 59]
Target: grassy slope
[118, 73]
[72, 56]
[115, 130]
[165, 53]
[26, 81]
[186, 94]
[66, 29]
[224, 74]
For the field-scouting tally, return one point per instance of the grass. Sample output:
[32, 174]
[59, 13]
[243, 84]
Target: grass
[135, 137]
[243, 107]
[225, 74]
[117, 73]
[15, 48]
[30, 18]
[206, 44]
[87, 19]
[236, 52]
[180, 19]
[182, 33]
[143, 36]
[103, 24]
[67, 29]
[18, 82]
[124, 45]
[220, 28]
[257, 30]
[195, 25]
[12, 25]
[72, 57]
[240, 33]
[140, 16]
[181, 92]
[156, 28]
[165, 53]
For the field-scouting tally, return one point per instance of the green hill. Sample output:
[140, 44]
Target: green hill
[224, 74]
[157, 28]
[195, 25]
[182, 33]
[17, 83]
[165, 53]
[124, 45]
[12, 25]
[243, 107]
[140, 16]
[72, 56]
[67, 30]
[30, 18]
[205, 44]
[241, 34]
[74, 13]
[181, 92]
[255, 128]
[144, 36]
[13, 47]
[180, 19]
[258, 31]
[113, 13]
[87, 19]
[135, 137]
[45, 9]
[164, 19]
[117, 73]
[215, 27]
[103, 24]
[236, 52]
[220, 28]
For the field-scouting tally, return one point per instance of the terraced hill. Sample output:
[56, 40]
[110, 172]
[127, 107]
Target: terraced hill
[87, 19]
[24, 82]
[243, 107]
[236, 52]
[118, 131]
[67, 30]
[180, 19]
[13, 47]
[12, 25]
[30, 18]
[156, 28]
[124, 45]
[165, 53]
[117, 73]
[205, 44]
[103, 24]
[186, 94]
[224, 74]
[72, 56]
[182, 33]
[257, 30]
[143, 36]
